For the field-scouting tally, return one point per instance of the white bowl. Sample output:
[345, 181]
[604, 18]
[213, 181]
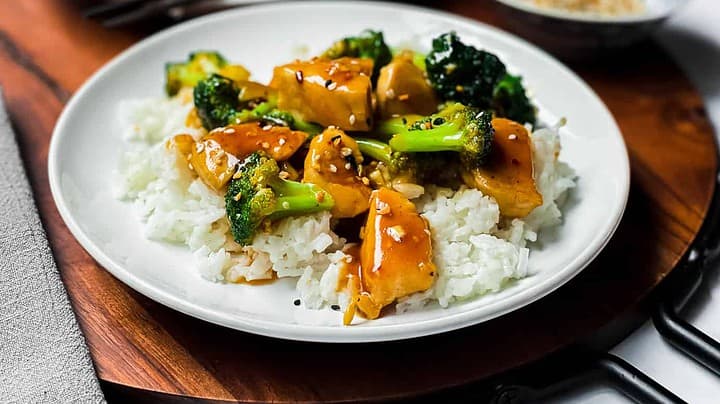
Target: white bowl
[574, 34]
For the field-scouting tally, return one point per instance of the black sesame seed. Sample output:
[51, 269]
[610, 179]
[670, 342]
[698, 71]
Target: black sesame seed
[297, 302]
[404, 121]
[327, 83]
[335, 307]
[438, 121]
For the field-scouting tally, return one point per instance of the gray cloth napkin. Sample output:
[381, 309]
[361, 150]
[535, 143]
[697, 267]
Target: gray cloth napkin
[43, 356]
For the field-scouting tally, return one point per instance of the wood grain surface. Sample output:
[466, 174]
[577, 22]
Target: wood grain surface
[47, 50]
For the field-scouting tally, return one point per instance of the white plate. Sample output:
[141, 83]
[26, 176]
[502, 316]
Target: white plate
[87, 143]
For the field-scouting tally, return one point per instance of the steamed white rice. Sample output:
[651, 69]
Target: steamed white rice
[474, 251]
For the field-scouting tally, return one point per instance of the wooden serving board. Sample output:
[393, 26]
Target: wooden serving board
[47, 51]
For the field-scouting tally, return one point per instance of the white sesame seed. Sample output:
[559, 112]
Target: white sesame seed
[267, 127]
[333, 168]
[332, 86]
[348, 166]
[382, 208]
[276, 149]
[284, 175]
[348, 259]
[365, 180]
[390, 94]
[352, 119]
[396, 232]
[199, 147]
[265, 145]
[315, 158]
[229, 131]
[282, 141]
[286, 205]
[346, 151]
[512, 136]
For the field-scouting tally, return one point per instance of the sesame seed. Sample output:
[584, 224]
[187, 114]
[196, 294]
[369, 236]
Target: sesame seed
[315, 158]
[390, 93]
[348, 166]
[320, 196]
[229, 131]
[237, 196]
[382, 208]
[286, 205]
[267, 127]
[199, 147]
[276, 149]
[335, 307]
[333, 168]
[284, 174]
[512, 136]
[237, 175]
[396, 232]
[396, 116]
[352, 119]
[265, 145]
[365, 180]
[459, 88]
[348, 259]
[190, 166]
[330, 85]
[299, 76]
[403, 97]
[297, 302]
[336, 140]
[450, 68]
[282, 141]
[426, 231]
[346, 151]
[220, 154]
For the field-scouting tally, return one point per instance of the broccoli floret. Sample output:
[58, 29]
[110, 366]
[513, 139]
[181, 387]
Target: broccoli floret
[257, 193]
[216, 101]
[511, 101]
[456, 128]
[462, 73]
[187, 74]
[476, 78]
[368, 44]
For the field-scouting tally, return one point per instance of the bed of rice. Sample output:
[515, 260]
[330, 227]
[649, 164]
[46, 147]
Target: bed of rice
[475, 252]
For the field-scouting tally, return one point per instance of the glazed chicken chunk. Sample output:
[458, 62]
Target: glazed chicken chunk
[396, 253]
[329, 92]
[332, 163]
[508, 175]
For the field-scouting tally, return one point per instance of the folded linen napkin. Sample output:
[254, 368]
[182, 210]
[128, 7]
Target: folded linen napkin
[43, 356]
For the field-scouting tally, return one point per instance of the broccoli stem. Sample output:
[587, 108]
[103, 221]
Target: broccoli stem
[296, 198]
[447, 137]
[375, 149]
[387, 128]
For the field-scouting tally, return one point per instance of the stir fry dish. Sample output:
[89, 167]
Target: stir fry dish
[381, 178]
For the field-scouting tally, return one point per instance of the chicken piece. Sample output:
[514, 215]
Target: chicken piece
[332, 163]
[396, 252]
[508, 175]
[329, 92]
[215, 156]
[402, 89]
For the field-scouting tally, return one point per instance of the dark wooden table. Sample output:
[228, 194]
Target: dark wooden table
[47, 50]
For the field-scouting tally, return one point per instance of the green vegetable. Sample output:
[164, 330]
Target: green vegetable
[216, 101]
[200, 65]
[257, 193]
[476, 78]
[462, 73]
[511, 101]
[397, 162]
[456, 128]
[368, 44]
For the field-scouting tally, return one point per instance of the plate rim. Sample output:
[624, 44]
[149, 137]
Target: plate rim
[320, 333]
